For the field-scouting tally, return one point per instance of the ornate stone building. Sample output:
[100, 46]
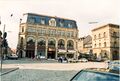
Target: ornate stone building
[85, 44]
[47, 36]
[105, 41]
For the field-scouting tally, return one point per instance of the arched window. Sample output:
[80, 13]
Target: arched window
[51, 43]
[61, 44]
[70, 44]
[30, 40]
[41, 43]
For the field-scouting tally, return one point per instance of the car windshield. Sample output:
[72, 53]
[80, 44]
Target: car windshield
[95, 76]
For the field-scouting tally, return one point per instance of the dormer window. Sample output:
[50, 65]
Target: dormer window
[61, 24]
[52, 22]
[42, 21]
[31, 20]
[70, 25]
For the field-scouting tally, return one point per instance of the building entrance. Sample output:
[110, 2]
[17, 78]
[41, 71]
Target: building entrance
[30, 54]
[51, 53]
[115, 55]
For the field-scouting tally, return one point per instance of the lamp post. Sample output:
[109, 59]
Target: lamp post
[4, 43]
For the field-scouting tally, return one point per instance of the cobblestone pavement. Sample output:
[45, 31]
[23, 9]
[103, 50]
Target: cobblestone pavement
[44, 70]
[38, 75]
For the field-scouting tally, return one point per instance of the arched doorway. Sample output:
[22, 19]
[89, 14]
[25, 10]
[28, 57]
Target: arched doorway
[41, 47]
[115, 55]
[30, 48]
[70, 45]
[70, 49]
[51, 49]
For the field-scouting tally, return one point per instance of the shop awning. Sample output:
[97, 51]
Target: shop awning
[62, 50]
[71, 51]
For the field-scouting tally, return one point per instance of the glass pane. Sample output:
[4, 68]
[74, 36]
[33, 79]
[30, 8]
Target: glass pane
[94, 76]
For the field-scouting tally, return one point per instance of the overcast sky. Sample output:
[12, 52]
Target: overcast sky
[83, 11]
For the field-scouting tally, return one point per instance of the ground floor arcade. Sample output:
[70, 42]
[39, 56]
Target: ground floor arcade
[110, 53]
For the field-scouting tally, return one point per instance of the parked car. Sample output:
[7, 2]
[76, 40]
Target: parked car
[114, 65]
[13, 56]
[72, 60]
[95, 75]
[83, 60]
[42, 57]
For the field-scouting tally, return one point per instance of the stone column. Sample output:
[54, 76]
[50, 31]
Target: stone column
[46, 49]
[56, 50]
[66, 47]
[35, 47]
[24, 53]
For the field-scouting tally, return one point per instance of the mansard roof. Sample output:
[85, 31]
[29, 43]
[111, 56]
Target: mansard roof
[67, 23]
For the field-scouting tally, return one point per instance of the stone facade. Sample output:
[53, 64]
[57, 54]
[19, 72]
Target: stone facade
[85, 44]
[47, 36]
[105, 41]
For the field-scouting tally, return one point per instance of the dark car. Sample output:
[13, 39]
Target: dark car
[13, 57]
[96, 75]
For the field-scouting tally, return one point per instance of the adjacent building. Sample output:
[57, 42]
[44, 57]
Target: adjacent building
[105, 41]
[85, 44]
[47, 36]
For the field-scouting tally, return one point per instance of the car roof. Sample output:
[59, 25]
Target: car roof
[102, 70]
[97, 70]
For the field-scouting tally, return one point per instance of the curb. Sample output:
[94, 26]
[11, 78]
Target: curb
[14, 69]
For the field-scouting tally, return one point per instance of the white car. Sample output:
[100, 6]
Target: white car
[83, 60]
[13, 56]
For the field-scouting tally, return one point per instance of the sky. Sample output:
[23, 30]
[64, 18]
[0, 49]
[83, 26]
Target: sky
[82, 11]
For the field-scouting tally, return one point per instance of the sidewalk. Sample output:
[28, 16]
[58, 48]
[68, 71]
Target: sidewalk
[57, 66]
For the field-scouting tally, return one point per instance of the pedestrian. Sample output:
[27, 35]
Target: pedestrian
[65, 59]
[61, 59]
